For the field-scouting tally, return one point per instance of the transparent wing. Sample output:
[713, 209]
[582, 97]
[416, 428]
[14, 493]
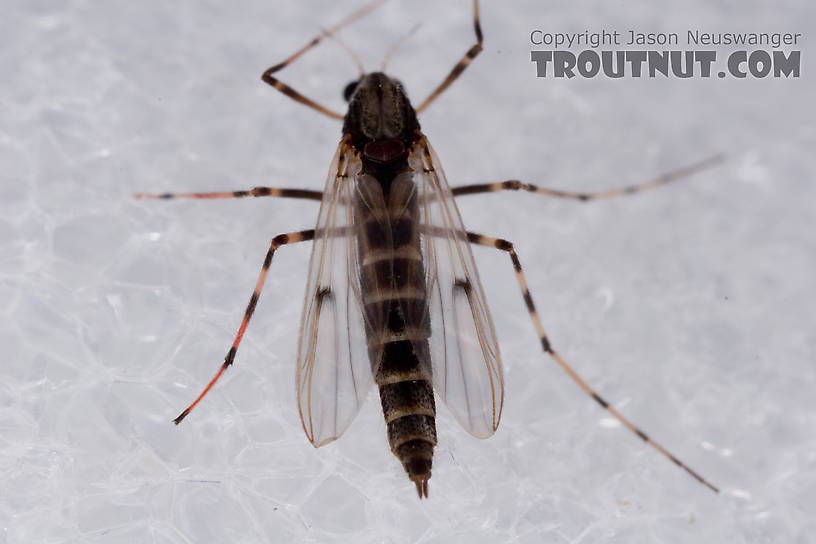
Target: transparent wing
[333, 369]
[464, 352]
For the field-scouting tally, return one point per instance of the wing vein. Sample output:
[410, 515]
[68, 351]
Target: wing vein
[334, 373]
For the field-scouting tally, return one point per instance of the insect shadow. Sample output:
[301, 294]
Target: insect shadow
[393, 295]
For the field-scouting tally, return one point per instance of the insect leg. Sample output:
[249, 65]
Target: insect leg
[289, 91]
[506, 246]
[462, 64]
[255, 191]
[516, 185]
[277, 241]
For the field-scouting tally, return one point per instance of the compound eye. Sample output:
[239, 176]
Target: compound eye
[349, 90]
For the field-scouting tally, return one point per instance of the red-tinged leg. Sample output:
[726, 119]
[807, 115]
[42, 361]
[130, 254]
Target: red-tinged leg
[254, 192]
[277, 241]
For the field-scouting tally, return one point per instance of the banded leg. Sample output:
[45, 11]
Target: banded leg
[506, 246]
[255, 192]
[293, 94]
[277, 241]
[462, 64]
[516, 185]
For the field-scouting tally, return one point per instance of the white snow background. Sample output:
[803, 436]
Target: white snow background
[690, 307]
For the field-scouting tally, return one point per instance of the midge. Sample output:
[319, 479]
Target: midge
[393, 296]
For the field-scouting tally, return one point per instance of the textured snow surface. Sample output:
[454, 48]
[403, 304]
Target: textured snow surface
[690, 308]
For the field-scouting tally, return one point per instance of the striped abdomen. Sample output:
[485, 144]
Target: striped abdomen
[397, 326]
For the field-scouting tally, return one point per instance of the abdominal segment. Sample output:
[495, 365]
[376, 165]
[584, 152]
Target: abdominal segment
[393, 288]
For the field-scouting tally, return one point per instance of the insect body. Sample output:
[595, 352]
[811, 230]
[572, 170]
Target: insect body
[393, 296]
[392, 264]
[381, 127]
